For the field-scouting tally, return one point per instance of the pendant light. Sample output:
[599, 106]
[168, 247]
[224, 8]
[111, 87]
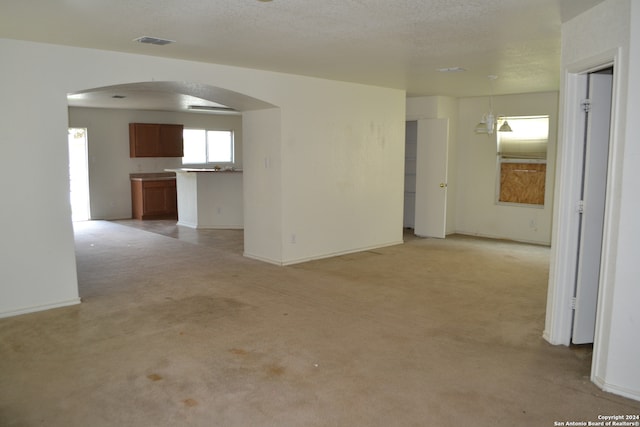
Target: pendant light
[489, 120]
[505, 127]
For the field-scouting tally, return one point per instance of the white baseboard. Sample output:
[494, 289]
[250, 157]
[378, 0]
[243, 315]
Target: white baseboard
[187, 224]
[496, 237]
[329, 255]
[614, 389]
[220, 227]
[263, 259]
[211, 226]
[34, 308]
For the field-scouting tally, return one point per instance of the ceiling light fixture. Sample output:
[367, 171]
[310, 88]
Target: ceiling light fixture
[505, 126]
[489, 121]
[153, 40]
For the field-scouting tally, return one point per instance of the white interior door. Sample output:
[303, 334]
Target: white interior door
[431, 177]
[596, 156]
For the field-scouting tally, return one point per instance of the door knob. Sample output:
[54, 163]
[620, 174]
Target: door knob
[442, 185]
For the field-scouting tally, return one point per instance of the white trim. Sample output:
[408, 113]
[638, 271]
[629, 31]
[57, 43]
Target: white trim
[220, 227]
[340, 253]
[565, 226]
[565, 230]
[187, 224]
[565, 234]
[263, 259]
[313, 258]
[42, 307]
[211, 227]
[609, 235]
[497, 237]
[611, 388]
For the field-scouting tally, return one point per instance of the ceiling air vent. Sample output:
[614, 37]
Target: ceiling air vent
[153, 40]
[451, 70]
[209, 108]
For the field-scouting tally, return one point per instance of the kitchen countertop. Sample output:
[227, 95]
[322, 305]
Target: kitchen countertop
[153, 176]
[187, 170]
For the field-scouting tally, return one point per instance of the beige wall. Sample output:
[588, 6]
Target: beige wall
[333, 162]
[472, 169]
[477, 212]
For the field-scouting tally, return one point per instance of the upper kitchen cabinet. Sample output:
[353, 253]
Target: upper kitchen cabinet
[155, 140]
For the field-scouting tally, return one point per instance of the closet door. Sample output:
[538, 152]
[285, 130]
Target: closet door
[594, 189]
[431, 178]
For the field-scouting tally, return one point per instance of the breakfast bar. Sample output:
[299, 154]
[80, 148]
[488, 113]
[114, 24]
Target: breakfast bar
[209, 198]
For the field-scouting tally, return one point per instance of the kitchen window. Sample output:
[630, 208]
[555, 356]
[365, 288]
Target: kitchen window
[207, 147]
[522, 161]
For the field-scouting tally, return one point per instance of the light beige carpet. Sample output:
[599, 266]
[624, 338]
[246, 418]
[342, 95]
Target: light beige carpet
[184, 333]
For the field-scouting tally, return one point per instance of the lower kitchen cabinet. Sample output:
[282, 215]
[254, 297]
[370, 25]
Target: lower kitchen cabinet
[154, 198]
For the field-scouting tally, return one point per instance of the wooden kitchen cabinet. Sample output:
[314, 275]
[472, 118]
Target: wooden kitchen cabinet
[155, 140]
[154, 199]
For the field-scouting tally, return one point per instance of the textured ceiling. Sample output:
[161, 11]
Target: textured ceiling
[398, 44]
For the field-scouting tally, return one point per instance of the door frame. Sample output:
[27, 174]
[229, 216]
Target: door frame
[563, 259]
[595, 158]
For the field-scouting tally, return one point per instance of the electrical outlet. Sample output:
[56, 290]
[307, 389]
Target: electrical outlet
[293, 238]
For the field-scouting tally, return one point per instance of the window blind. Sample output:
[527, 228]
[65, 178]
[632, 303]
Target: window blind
[528, 139]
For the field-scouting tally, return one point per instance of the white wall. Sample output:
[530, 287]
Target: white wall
[220, 200]
[477, 212]
[37, 261]
[608, 32]
[355, 154]
[334, 170]
[109, 161]
[263, 201]
[622, 367]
